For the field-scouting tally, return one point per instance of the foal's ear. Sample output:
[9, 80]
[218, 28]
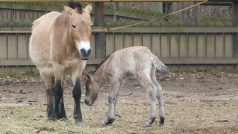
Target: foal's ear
[69, 10]
[88, 9]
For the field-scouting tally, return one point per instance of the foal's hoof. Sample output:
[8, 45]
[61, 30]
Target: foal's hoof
[108, 121]
[150, 122]
[161, 121]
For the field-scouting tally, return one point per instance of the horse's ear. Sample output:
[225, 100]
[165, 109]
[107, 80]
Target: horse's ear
[88, 9]
[69, 10]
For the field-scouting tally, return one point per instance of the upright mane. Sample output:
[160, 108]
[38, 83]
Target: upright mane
[100, 64]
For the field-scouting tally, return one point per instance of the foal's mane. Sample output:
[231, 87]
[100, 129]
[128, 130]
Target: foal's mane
[100, 64]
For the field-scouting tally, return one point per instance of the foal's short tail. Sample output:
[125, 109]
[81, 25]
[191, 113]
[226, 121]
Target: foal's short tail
[159, 65]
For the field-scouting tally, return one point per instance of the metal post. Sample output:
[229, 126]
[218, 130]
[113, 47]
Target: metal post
[100, 44]
[235, 37]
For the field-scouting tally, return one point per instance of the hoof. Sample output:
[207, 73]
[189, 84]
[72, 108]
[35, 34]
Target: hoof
[151, 120]
[79, 123]
[108, 121]
[161, 121]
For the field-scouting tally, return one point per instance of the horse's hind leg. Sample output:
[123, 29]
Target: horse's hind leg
[159, 96]
[49, 82]
[147, 83]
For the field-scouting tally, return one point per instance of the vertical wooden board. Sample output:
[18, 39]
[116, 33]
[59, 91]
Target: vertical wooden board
[137, 40]
[164, 46]
[183, 45]
[147, 40]
[228, 46]
[12, 46]
[174, 68]
[174, 46]
[219, 46]
[22, 47]
[201, 46]
[128, 40]
[156, 44]
[109, 44]
[118, 42]
[192, 45]
[93, 47]
[3, 46]
[210, 46]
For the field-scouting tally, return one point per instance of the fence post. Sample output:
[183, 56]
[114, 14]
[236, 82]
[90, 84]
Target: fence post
[235, 37]
[100, 44]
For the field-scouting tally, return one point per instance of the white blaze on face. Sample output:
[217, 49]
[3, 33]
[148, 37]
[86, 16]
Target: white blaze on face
[83, 45]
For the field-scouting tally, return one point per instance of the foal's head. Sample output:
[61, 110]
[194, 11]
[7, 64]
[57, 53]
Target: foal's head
[92, 90]
[80, 29]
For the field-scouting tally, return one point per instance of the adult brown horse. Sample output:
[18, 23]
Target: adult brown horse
[59, 46]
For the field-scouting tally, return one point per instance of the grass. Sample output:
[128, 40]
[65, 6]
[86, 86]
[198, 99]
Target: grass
[20, 74]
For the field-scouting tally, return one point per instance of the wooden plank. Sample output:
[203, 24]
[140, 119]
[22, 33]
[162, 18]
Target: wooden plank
[118, 41]
[194, 30]
[128, 40]
[164, 46]
[210, 46]
[183, 46]
[174, 40]
[3, 45]
[93, 47]
[156, 44]
[201, 46]
[103, 0]
[172, 61]
[228, 46]
[147, 40]
[137, 40]
[192, 45]
[22, 47]
[12, 46]
[109, 44]
[219, 46]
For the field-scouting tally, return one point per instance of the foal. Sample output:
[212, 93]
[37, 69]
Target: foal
[137, 61]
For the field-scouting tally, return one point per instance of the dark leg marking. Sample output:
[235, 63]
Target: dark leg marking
[50, 97]
[77, 98]
[62, 114]
[58, 92]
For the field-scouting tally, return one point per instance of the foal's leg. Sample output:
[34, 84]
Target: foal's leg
[76, 75]
[147, 83]
[112, 100]
[49, 82]
[58, 111]
[159, 96]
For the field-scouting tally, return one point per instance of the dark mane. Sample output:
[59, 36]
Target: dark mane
[100, 64]
[75, 5]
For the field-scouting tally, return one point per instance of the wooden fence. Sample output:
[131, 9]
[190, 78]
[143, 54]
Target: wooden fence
[180, 47]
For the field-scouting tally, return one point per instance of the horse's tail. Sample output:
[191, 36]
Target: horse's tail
[159, 65]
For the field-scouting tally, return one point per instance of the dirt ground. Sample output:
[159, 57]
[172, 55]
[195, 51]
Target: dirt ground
[200, 103]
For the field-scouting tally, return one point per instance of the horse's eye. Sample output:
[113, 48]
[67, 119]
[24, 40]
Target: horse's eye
[74, 26]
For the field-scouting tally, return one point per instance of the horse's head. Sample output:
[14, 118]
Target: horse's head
[92, 90]
[80, 29]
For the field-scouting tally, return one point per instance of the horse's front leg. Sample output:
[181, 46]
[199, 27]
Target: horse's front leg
[76, 75]
[59, 111]
[112, 100]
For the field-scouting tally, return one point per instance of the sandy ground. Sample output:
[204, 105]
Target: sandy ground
[200, 103]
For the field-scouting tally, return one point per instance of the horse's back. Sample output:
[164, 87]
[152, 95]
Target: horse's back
[39, 47]
[129, 60]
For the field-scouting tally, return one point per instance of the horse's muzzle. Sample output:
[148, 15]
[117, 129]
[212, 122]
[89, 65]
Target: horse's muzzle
[85, 53]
